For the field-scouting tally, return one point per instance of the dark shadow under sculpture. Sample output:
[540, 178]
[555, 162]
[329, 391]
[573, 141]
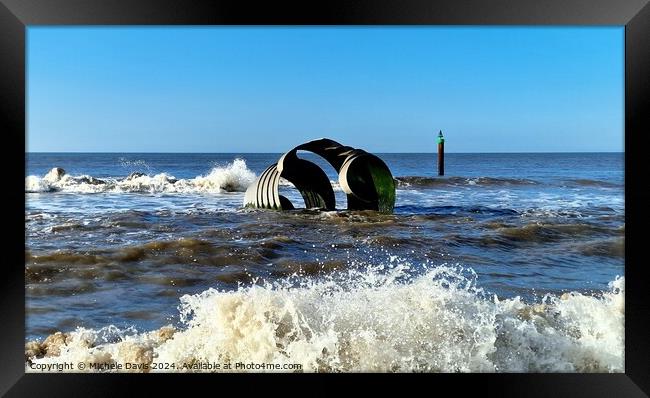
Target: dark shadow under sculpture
[365, 178]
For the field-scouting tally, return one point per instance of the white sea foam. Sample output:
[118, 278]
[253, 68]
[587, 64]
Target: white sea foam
[235, 177]
[336, 187]
[375, 320]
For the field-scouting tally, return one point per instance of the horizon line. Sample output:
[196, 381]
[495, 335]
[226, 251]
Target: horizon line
[236, 152]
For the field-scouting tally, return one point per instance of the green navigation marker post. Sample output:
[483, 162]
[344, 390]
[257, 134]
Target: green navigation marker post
[441, 154]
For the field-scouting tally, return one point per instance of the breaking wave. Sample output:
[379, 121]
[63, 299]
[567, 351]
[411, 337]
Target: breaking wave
[421, 181]
[592, 183]
[234, 177]
[431, 182]
[380, 318]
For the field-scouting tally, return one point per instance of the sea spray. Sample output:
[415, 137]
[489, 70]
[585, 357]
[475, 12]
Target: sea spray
[383, 318]
[234, 177]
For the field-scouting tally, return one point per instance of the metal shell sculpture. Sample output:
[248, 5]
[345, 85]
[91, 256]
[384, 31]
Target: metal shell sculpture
[365, 178]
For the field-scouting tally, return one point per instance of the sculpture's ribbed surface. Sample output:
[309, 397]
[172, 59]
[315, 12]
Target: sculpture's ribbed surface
[365, 178]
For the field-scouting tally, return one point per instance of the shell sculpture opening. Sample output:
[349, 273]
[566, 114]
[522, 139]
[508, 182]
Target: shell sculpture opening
[365, 178]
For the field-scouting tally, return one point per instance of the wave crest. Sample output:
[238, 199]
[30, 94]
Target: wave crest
[421, 181]
[375, 320]
[234, 177]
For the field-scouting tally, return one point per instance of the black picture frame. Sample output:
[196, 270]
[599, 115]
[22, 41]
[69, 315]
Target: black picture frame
[17, 15]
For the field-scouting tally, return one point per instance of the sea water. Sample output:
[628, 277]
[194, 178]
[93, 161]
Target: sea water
[509, 263]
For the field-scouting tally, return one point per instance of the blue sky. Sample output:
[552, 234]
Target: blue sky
[267, 89]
